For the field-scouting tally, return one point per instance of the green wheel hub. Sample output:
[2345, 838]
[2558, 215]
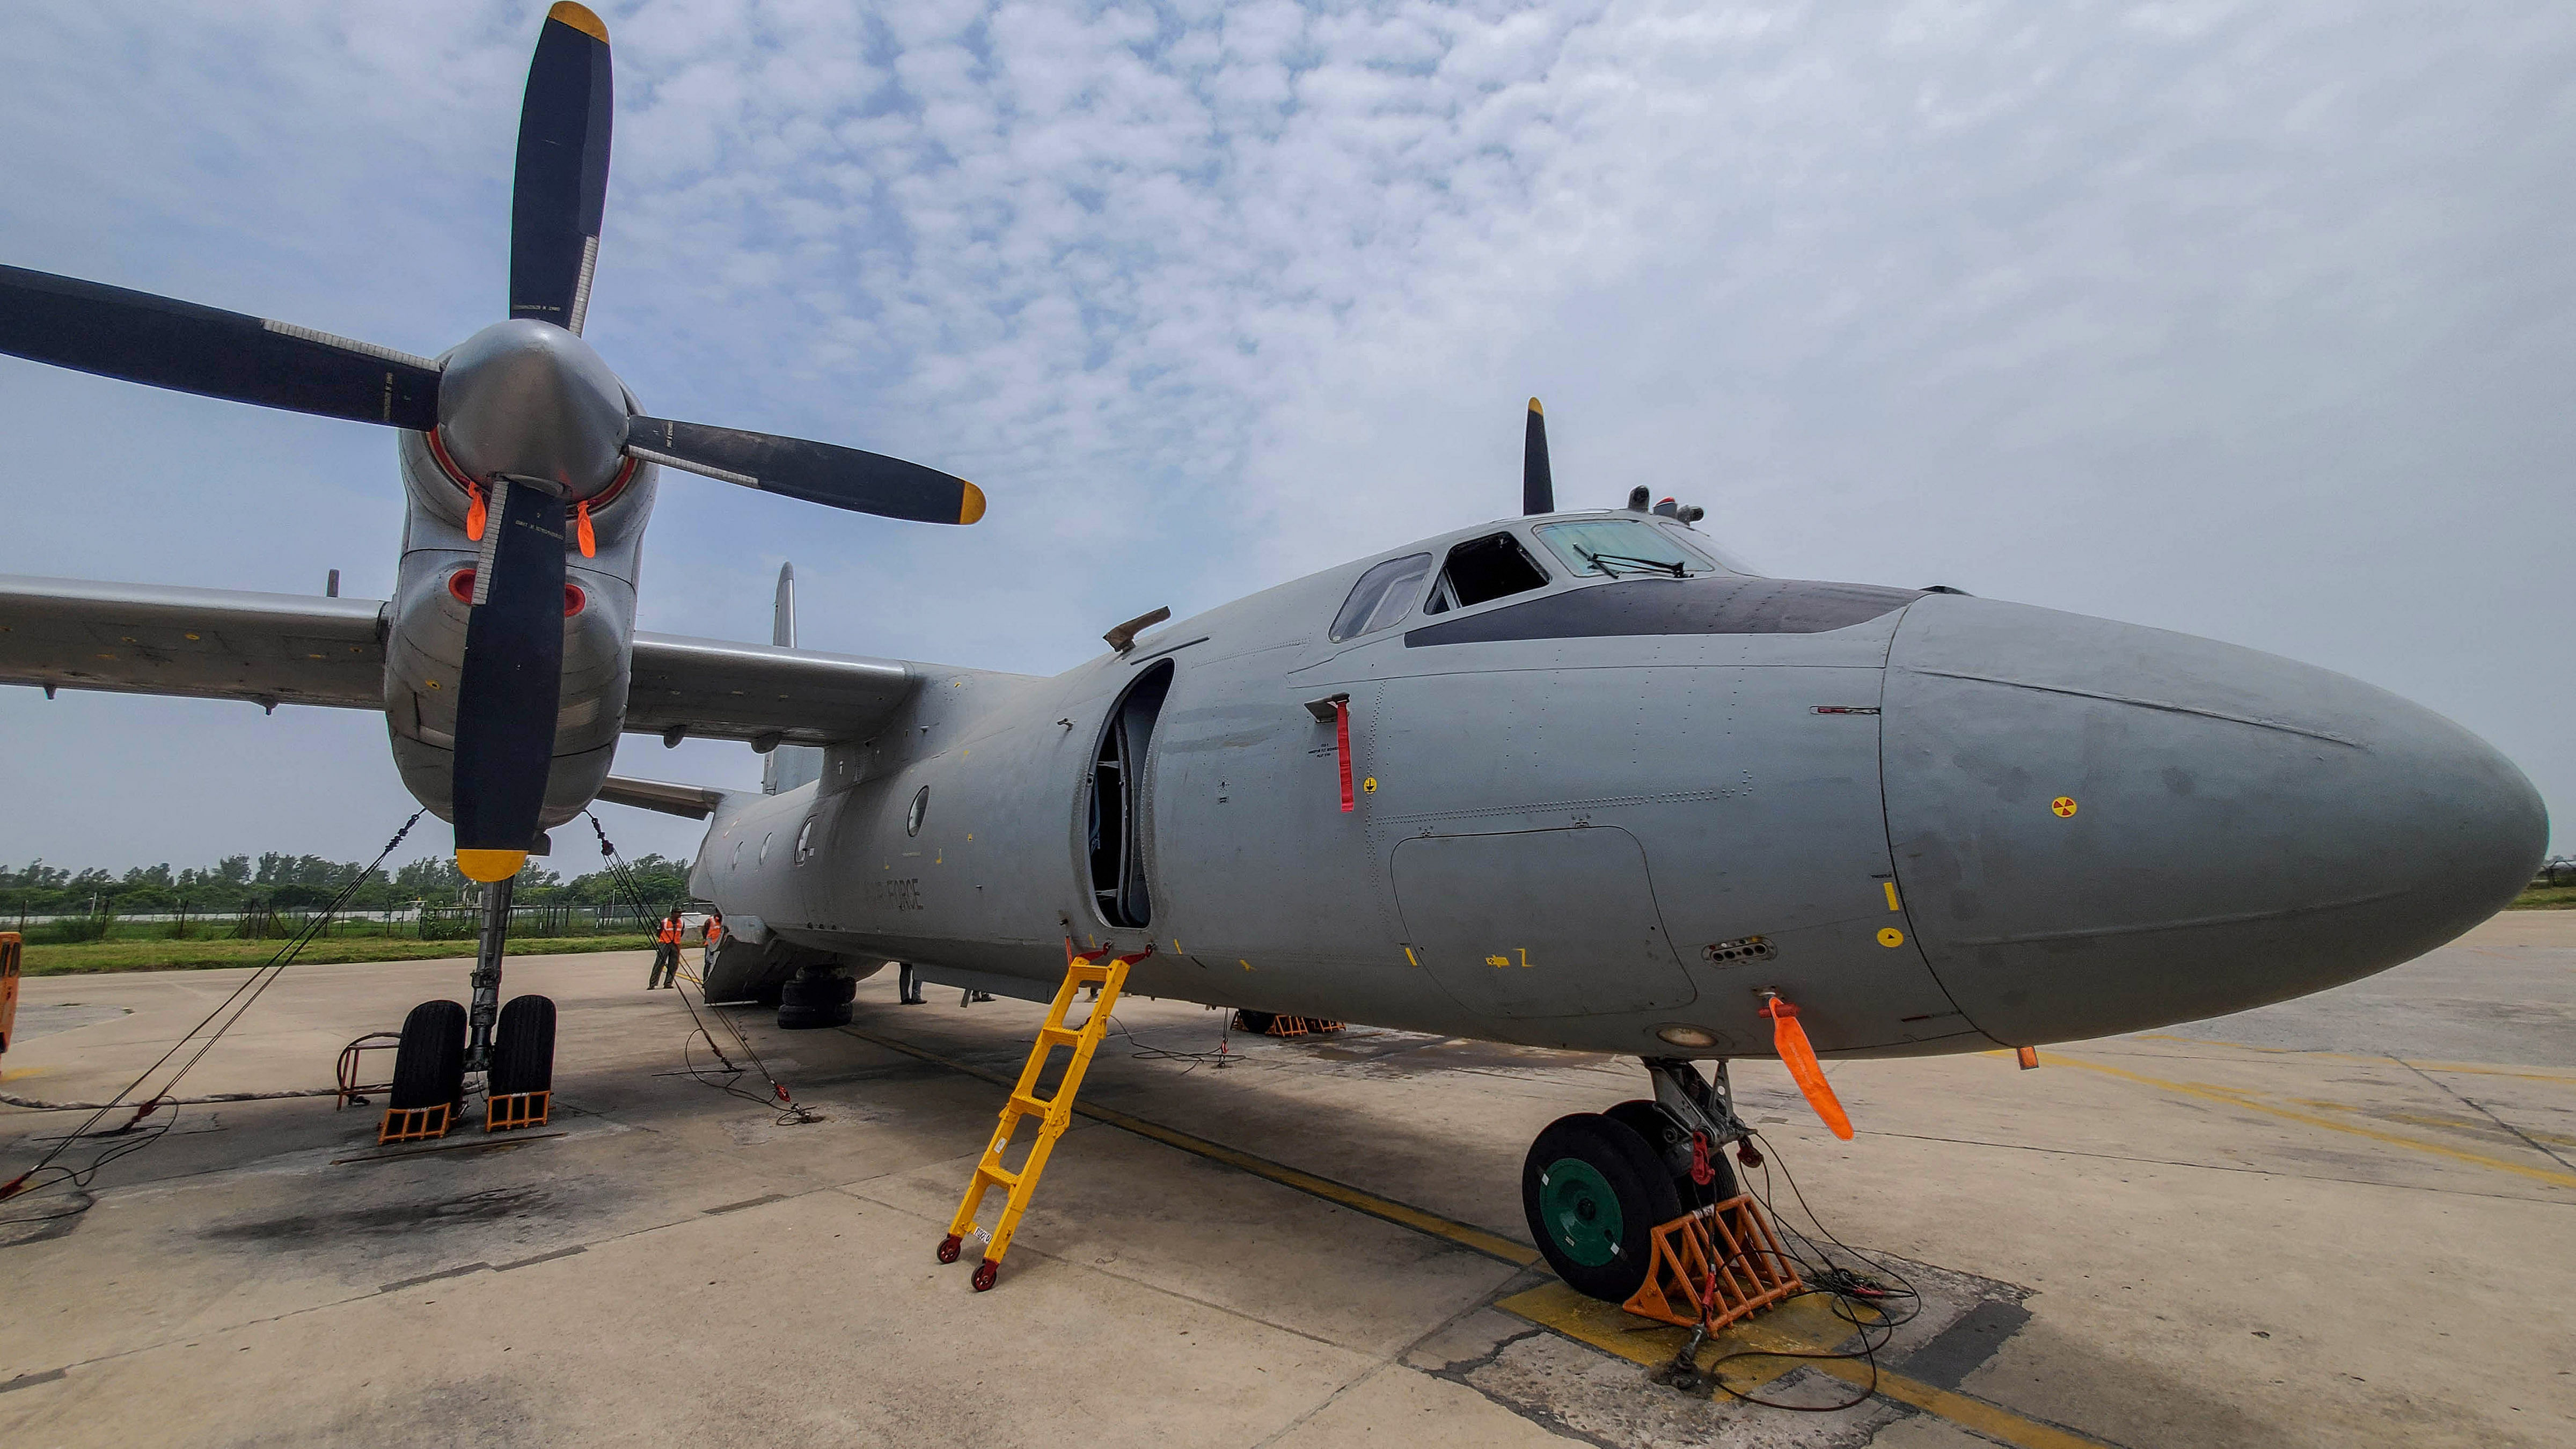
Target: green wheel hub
[1581, 1212]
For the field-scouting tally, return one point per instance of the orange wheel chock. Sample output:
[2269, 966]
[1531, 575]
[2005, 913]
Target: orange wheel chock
[415, 1124]
[1715, 1265]
[1790, 1040]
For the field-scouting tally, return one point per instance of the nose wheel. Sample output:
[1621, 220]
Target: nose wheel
[1594, 1192]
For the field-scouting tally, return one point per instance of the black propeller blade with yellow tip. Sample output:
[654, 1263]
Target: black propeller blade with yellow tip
[560, 196]
[1538, 486]
[824, 473]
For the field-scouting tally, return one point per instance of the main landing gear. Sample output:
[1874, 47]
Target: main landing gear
[512, 1047]
[1596, 1185]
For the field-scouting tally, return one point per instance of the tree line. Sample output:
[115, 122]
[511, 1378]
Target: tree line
[280, 882]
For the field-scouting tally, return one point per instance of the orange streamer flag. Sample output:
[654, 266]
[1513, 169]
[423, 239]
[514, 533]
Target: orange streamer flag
[1790, 1040]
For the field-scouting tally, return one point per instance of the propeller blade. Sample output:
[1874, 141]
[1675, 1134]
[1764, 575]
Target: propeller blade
[167, 343]
[562, 188]
[1538, 487]
[512, 680]
[824, 473]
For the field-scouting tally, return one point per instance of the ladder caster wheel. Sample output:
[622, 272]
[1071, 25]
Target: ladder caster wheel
[985, 1273]
[948, 1247]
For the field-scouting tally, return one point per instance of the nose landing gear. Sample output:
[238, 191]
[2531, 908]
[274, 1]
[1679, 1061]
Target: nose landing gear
[1596, 1185]
[513, 1047]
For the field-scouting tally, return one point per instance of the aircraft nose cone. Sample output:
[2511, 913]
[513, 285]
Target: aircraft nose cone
[2102, 828]
[529, 398]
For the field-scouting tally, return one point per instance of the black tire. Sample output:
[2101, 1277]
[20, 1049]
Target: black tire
[817, 987]
[807, 1018]
[1255, 1022]
[1594, 1193]
[523, 1047]
[429, 1065]
[1673, 1145]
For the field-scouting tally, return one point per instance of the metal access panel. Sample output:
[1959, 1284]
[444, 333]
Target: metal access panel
[1491, 918]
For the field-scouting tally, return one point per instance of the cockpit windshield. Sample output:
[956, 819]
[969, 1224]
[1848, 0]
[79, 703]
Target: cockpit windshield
[1620, 547]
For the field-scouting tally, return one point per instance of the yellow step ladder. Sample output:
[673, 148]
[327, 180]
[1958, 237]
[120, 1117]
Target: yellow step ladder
[1054, 1113]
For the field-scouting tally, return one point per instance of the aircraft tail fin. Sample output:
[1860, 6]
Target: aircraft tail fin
[787, 766]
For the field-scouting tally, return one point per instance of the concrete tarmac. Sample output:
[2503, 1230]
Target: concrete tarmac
[2344, 1220]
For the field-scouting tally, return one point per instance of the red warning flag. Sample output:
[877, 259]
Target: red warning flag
[1790, 1040]
[1342, 742]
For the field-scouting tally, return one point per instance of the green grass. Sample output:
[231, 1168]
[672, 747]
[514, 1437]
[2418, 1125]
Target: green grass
[200, 955]
[2545, 898]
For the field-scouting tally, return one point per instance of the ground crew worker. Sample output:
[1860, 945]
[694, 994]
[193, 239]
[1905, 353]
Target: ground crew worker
[715, 938]
[666, 952]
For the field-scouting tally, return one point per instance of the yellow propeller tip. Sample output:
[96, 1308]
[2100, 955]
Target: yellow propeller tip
[1534, 407]
[492, 865]
[971, 506]
[579, 18]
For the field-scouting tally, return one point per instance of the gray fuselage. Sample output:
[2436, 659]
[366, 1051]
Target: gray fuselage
[1600, 808]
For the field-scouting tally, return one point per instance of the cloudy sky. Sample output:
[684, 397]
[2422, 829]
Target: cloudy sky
[2250, 320]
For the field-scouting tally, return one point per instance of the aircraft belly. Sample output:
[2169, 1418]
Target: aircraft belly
[1539, 923]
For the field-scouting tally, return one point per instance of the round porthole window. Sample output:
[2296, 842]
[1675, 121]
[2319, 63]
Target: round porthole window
[920, 808]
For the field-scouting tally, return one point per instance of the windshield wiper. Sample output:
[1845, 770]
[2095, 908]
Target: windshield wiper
[1674, 568]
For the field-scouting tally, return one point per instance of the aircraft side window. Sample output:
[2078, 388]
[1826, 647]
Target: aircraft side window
[1383, 596]
[805, 841]
[1485, 568]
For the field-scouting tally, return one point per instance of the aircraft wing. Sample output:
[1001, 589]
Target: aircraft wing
[716, 690]
[272, 649]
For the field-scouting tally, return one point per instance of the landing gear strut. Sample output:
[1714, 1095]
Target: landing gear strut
[485, 1010]
[1596, 1185]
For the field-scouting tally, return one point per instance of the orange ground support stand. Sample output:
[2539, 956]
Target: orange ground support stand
[516, 1109]
[1721, 1262]
[415, 1124]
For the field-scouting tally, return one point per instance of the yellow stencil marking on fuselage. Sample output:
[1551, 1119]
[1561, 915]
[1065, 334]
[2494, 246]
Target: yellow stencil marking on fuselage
[1893, 903]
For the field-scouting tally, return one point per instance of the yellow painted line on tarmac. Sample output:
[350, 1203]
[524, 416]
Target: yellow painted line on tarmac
[1802, 1325]
[2237, 1098]
[1465, 1235]
[2469, 1068]
[2467, 1126]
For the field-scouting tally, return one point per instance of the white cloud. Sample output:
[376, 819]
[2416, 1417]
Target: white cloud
[2246, 319]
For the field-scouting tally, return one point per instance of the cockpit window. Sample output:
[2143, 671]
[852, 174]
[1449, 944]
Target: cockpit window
[1383, 596]
[1621, 546]
[1484, 568]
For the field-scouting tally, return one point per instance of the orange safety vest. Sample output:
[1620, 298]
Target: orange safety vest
[670, 935]
[715, 928]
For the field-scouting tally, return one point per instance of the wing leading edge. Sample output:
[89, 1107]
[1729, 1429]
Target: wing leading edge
[272, 649]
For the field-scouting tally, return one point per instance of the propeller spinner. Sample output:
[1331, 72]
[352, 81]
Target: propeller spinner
[528, 412]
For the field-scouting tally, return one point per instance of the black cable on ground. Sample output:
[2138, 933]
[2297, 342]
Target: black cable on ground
[781, 1101]
[33, 1104]
[1850, 1289]
[1224, 1056]
[246, 994]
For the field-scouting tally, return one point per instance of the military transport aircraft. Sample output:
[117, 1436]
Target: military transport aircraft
[1573, 779]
